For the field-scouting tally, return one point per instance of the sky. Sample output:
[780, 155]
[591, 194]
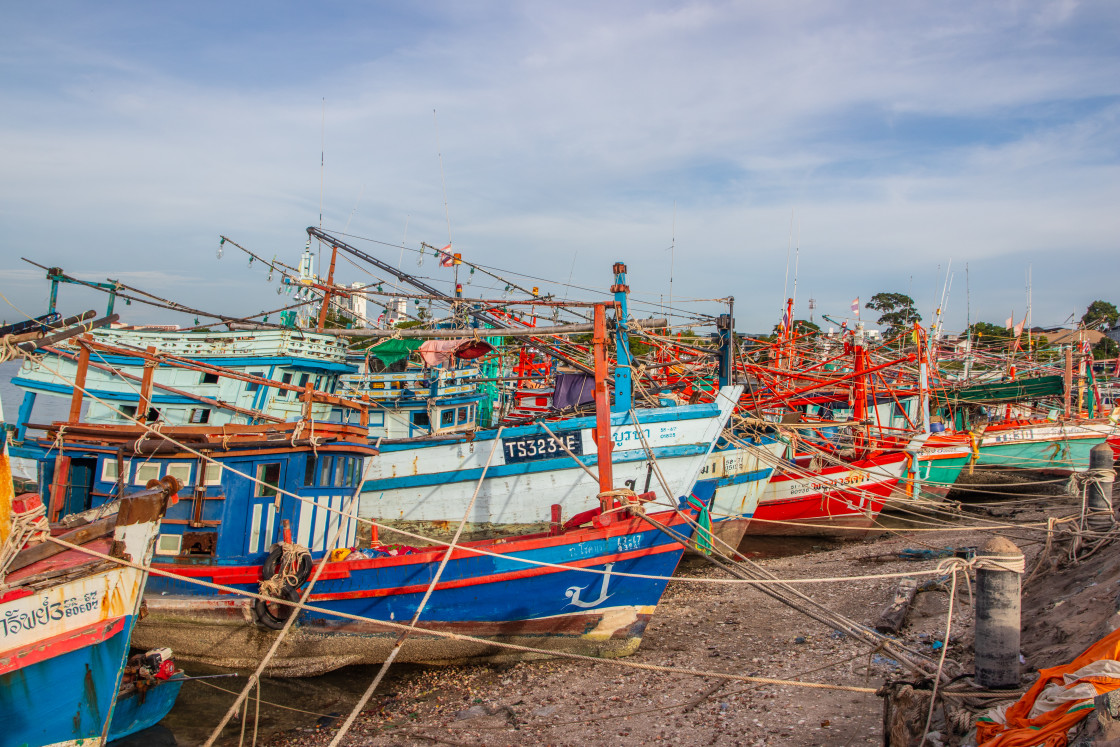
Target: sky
[889, 145]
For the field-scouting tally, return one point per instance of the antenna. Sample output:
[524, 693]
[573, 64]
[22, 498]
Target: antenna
[672, 254]
[442, 179]
[322, 168]
[361, 194]
[404, 240]
[789, 248]
[796, 264]
[812, 305]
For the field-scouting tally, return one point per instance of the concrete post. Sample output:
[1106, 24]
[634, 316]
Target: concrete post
[1100, 516]
[998, 613]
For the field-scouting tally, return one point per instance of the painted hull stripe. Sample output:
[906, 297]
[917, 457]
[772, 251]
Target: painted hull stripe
[60, 644]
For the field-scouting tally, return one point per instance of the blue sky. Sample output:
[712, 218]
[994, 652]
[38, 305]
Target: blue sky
[900, 136]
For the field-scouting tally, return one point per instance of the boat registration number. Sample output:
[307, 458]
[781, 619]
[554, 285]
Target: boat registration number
[527, 448]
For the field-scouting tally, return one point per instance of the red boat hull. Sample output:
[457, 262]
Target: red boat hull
[841, 502]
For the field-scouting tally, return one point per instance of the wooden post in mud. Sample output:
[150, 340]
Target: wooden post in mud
[1100, 516]
[999, 564]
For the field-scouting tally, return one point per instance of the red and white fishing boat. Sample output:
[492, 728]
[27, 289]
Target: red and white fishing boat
[835, 501]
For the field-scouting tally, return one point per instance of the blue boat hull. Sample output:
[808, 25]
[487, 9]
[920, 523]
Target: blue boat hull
[137, 710]
[63, 698]
[490, 598]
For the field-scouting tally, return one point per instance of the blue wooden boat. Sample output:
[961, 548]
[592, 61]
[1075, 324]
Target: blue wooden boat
[66, 618]
[561, 589]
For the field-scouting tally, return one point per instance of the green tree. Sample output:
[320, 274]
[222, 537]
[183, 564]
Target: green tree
[986, 334]
[898, 312]
[1100, 315]
[1106, 348]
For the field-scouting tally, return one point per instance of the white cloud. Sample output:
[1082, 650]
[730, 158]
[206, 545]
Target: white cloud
[902, 135]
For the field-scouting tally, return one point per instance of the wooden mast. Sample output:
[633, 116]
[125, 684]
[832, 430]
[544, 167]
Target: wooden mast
[603, 441]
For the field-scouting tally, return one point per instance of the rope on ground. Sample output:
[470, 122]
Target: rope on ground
[556, 654]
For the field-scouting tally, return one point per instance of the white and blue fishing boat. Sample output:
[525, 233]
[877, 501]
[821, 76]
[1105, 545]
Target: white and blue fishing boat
[66, 618]
[587, 583]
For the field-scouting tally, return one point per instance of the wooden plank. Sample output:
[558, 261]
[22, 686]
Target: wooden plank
[78, 536]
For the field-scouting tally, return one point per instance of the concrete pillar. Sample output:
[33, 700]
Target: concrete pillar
[998, 614]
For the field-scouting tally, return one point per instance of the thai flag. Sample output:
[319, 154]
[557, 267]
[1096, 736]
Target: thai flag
[785, 319]
[855, 306]
[445, 258]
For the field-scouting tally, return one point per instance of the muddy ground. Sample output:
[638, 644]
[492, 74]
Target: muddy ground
[728, 628]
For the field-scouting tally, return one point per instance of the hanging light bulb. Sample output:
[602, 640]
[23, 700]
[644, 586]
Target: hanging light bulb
[279, 290]
[270, 271]
[251, 258]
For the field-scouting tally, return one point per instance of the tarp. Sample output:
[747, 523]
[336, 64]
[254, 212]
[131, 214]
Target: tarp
[1010, 391]
[390, 351]
[1060, 698]
[435, 352]
[573, 389]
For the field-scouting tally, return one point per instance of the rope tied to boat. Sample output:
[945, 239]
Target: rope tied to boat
[287, 569]
[628, 501]
[27, 526]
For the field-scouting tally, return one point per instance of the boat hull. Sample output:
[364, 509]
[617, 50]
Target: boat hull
[491, 598]
[1039, 446]
[840, 501]
[66, 697]
[425, 487]
[137, 710]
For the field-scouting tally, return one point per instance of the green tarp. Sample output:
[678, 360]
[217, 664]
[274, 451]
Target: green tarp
[1010, 391]
[390, 351]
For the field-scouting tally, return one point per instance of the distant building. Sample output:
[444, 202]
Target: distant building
[1059, 336]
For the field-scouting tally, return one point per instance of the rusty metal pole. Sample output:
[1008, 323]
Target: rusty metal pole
[998, 613]
[327, 292]
[146, 385]
[1068, 380]
[603, 441]
[79, 384]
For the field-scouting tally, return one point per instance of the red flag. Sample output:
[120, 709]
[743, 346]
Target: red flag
[445, 258]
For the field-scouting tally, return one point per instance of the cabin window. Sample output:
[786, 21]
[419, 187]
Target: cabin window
[357, 472]
[129, 411]
[325, 475]
[209, 378]
[146, 471]
[109, 469]
[181, 471]
[309, 469]
[200, 415]
[421, 419]
[253, 386]
[348, 478]
[285, 379]
[339, 471]
[447, 417]
[213, 474]
[268, 476]
[461, 415]
[303, 379]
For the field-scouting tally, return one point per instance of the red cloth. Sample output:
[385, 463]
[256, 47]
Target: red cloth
[436, 352]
